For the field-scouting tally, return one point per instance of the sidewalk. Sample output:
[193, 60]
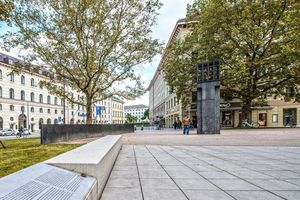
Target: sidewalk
[154, 172]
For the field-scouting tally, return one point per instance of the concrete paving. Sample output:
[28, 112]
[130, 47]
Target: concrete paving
[156, 172]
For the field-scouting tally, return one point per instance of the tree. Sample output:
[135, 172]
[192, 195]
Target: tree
[256, 41]
[93, 46]
[146, 114]
[6, 6]
[131, 119]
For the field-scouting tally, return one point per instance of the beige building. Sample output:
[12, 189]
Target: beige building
[164, 108]
[23, 103]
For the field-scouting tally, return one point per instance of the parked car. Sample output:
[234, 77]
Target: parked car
[2, 132]
[9, 131]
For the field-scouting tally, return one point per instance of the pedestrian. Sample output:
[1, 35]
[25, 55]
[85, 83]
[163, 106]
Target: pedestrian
[186, 124]
[175, 125]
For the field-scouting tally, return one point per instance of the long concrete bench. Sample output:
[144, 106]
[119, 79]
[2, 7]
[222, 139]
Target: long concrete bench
[79, 174]
[94, 159]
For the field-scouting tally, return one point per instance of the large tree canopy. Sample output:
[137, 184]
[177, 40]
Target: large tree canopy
[92, 45]
[258, 43]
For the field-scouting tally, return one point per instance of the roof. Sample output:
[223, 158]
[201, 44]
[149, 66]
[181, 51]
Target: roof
[139, 106]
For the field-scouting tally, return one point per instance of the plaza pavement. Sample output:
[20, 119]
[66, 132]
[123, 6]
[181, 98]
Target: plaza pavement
[250, 164]
[205, 173]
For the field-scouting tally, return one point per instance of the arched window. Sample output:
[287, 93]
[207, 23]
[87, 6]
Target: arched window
[55, 121]
[0, 74]
[48, 121]
[22, 95]
[0, 91]
[32, 82]
[41, 110]
[12, 76]
[23, 80]
[55, 100]
[11, 93]
[48, 99]
[41, 98]
[32, 96]
[11, 107]
[32, 109]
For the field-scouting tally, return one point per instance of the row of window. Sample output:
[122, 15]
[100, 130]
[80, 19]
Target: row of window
[32, 96]
[12, 78]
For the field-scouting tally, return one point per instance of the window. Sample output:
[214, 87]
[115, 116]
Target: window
[41, 98]
[61, 102]
[0, 106]
[11, 107]
[32, 82]
[0, 91]
[10, 61]
[41, 110]
[55, 111]
[48, 121]
[12, 77]
[0, 74]
[49, 111]
[32, 109]
[23, 80]
[55, 100]
[22, 95]
[22, 109]
[274, 118]
[72, 113]
[11, 93]
[32, 96]
[48, 99]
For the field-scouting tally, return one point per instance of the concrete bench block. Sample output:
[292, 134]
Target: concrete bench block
[42, 181]
[94, 159]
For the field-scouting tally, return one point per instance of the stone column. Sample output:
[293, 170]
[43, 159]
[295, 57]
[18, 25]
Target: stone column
[208, 107]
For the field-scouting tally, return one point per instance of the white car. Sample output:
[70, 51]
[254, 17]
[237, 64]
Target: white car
[9, 131]
[2, 132]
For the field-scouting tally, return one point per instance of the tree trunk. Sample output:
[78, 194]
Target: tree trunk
[89, 111]
[246, 110]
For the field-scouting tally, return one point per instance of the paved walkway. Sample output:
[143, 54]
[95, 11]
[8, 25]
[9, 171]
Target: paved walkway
[205, 173]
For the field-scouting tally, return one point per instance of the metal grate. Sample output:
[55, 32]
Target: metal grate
[55, 194]
[26, 192]
[61, 179]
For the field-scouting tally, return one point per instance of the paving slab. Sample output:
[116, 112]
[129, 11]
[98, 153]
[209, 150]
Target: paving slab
[205, 173]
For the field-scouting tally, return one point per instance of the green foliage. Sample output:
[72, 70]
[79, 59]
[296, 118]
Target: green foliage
[6, 6]
[146, 114]
[23, 153]
[257, 42]
[93, 46]
[130, 119]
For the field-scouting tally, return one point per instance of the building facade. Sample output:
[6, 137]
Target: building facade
[136, 111]
[165, 109]
[24, 103]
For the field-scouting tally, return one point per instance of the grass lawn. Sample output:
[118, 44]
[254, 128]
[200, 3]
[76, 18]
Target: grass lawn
[22, 153]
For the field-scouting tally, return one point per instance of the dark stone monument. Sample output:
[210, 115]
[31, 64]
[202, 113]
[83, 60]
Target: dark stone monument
[208, 98]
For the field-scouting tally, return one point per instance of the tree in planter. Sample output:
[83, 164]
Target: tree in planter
[257, 42]
[92, 46]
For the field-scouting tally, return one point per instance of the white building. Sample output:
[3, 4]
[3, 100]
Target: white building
[23, 103]
[136, 111]
[164, 108]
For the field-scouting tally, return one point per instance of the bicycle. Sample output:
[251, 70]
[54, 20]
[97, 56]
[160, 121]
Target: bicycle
[245, 123]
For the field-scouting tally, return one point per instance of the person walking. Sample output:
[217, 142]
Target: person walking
[186, 125]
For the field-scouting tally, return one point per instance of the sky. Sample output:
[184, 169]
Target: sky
[170, 13]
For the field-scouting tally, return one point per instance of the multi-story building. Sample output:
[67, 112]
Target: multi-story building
[136, 111]
[165, 108]
[117, 110]
[24, 103]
